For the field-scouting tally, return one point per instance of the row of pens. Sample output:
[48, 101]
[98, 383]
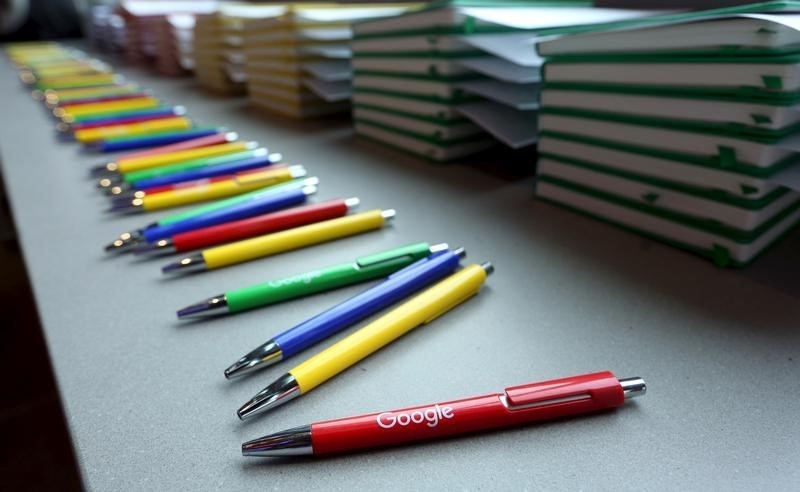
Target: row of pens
[253, 206]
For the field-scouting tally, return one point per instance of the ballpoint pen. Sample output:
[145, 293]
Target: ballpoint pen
[78, 83]
[421, 309]
[154, 190]
[210, 170]
[279, 242]
[241, 228]
[128, 164]
[88, 135]
[514, 406]
[54, 97]
[126, 181]
[70, 112]
[107, 115]
[162, 138]
[136, 117]
[236, 185]
[437, 263]
[100, 99]
[247, 205]
[267, 293]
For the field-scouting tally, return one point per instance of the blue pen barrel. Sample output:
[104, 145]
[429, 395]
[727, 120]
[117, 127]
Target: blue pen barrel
[260, 204]
[151, 141]
[398, 286]
[204, 172]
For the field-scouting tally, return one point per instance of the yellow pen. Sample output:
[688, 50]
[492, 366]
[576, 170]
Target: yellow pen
[54, 97]
[89, 135]
[420, 310]
[144, 102]
[279, 242]
[207, 190]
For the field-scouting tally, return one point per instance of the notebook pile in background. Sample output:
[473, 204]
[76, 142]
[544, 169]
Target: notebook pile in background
[105, 29]
[218, 45]
[458, 77]
[687, 131]
[298, 63]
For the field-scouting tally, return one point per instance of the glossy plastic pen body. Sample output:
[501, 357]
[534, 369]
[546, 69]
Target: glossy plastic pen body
[514, 406]
[421, 309]
[150, 140]
[308, 283]
[422, 267]
[279, 242]
[236, 185]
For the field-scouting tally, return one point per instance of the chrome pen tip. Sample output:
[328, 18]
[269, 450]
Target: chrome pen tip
[260, 358]
[103, 169]
[284, 389]
[210, 307]
[488, 267]
[194, 263]
[162, 246]
[290, 442]
[125, 242]
[125, 205]
[633, 387]
[388, 214]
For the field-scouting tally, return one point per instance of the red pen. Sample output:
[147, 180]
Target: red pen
[253, 226]
[515, 406]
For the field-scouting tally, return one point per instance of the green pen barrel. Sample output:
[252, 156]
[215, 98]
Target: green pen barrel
[364, 269]
[155, 172]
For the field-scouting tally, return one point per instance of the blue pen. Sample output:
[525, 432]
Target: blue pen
[211, 171]
[157, 237]
[153, 140]
[397, 286]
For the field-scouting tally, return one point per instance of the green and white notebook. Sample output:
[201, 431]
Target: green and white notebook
[473, 60]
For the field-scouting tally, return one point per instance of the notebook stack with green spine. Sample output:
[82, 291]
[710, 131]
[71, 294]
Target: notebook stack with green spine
[298, 63]
[459, 76]
[687, 130]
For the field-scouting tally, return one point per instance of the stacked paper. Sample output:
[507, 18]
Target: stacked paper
[687, 131]
[457, 77]
[150, 35]
[174, 54]
[298, 64]
[219, 45]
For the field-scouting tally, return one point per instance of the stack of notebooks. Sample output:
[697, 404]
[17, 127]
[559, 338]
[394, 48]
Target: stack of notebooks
[219, 45]
[686, 130]
[149, 35]
[174, 42]
[298, 63]
[459, 76]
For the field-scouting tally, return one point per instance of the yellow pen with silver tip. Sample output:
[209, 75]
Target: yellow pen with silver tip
[421, 309]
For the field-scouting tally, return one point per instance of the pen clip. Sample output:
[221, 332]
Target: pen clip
[393, 255]
[557, 391]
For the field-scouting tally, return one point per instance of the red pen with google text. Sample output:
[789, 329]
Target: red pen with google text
[516, 405]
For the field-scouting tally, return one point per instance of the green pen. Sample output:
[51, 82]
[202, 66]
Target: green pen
[130, 179]
[128, 240]
[362, 269]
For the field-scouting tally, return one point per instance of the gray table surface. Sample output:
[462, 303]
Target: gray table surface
[149, 409]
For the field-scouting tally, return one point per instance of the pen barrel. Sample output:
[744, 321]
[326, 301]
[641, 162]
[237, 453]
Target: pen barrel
[204, 178]
[279, 242]
[431, 422]
[169, 123]
[127, 120]
[213, 191]
[151, 140]
[200, 168]
[130, 164]
[425, 307]
[262, 224]
[312, 282]
[195, 143]
[109, 107]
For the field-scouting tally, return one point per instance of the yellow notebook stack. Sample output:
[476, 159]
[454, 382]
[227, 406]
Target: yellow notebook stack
[218, 45]
[298, 63]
